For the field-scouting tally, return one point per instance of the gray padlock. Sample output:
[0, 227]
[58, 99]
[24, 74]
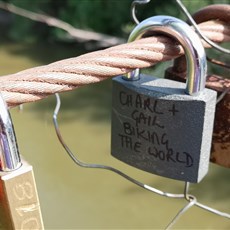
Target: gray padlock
[162, 126]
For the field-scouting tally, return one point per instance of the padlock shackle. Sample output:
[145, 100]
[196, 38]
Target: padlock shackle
[9, 155]
[189, 40]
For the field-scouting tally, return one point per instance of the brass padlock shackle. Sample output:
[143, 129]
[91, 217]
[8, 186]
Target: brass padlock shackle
[9, 155]
[193, 48]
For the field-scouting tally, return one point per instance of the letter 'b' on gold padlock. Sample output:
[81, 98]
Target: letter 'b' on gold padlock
[162, 126]
[19, 203]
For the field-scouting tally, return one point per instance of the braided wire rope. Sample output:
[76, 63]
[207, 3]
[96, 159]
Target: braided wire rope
[37, 83]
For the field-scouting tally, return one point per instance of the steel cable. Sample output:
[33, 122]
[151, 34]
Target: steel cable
[37, 83]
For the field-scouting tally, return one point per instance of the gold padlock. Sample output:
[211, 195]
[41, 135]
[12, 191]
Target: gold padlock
[19, 203]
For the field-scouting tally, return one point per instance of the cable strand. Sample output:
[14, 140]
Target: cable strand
[37, 83]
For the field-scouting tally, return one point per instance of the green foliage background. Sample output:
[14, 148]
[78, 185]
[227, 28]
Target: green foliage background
[112, 17]
[105, 16]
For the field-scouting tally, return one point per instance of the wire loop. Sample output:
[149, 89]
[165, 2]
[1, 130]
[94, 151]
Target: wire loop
[190, 198]
[133, 9]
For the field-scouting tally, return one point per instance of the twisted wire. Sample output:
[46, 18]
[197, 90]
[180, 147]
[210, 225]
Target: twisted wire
[37, 83]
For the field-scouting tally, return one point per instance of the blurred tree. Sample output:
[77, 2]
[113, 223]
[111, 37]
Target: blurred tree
[105, 16]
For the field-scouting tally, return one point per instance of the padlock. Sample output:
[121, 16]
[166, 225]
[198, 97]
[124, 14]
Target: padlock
[19, 203]
[162, 126]
[220, 151]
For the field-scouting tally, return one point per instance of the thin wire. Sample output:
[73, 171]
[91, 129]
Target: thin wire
[186, 189]
[222, 95]
[133, 9]
[99, 166]
[219, 63]
[191, 203]
[212, 210]
[213, 44]
[192, 200]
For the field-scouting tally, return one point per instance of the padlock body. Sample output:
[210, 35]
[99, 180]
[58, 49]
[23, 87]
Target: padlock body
[157, 128]
[19, 202]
